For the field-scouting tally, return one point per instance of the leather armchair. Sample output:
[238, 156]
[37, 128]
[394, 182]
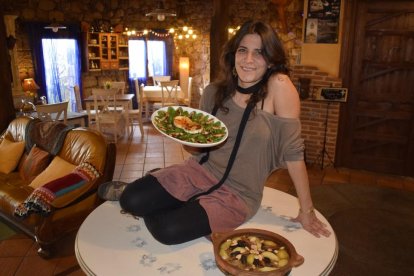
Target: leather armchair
[80, 145]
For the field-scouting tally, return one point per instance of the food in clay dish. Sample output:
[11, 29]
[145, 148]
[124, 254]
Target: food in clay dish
[252, 252]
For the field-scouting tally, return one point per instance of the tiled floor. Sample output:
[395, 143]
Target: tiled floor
[134, 157]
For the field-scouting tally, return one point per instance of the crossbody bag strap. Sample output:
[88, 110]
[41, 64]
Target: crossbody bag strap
[233, 154]
[207, 155]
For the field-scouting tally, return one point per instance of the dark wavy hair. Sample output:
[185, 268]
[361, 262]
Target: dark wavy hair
[273, 52]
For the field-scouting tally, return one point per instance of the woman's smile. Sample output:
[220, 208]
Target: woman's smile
[250, 63]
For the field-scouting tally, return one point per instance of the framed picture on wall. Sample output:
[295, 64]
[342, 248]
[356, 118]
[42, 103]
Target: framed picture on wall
[324, 8]
[322, 24]
[327, 31]
[311, 31]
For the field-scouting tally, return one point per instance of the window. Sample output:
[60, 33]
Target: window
[62, 70]
[147, 58]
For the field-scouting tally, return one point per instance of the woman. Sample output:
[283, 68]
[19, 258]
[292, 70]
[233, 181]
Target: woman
[178, 203]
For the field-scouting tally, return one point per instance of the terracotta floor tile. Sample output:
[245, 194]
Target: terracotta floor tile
[154, 159]
[133, 167]
[15, 247]
[67, 265]
[136, 148]
[174, 158]
[131, 174]
[137, 155]
[120, 158]
[37, 264]
[172, 163]
[150, 166]
[9, 265]
[153, 154]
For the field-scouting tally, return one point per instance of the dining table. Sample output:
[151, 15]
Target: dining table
[124, 100]
[112, 242]
[73, 118]
[152, 94]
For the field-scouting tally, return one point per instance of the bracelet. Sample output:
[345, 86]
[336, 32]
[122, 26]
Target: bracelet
[310, 210]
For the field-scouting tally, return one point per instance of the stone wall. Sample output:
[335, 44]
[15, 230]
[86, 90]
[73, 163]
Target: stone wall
[131, 13]
[195, 13]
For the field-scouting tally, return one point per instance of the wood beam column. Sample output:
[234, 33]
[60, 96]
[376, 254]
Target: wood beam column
[218, 35]
[7, 113]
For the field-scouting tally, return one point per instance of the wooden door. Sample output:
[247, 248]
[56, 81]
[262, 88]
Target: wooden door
[377, 122]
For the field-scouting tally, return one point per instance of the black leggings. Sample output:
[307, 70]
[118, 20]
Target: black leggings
[169, 220]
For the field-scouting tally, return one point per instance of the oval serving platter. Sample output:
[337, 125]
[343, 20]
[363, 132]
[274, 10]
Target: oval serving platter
[213, 131]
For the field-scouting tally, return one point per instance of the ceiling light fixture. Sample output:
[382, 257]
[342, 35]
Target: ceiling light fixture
[160, 12]
[55, 27]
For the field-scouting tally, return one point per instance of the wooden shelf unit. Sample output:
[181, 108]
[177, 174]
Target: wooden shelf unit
[106, 51]
[123, 52]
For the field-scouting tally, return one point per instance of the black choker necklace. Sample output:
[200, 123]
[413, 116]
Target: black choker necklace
[250, 90]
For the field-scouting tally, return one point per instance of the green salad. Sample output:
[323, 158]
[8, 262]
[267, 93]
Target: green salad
[189, 126]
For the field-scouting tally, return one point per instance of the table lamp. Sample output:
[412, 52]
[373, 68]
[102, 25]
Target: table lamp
[30, 87]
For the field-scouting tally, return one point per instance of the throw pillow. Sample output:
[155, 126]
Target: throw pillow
[10, 154]
[36, 162]
[56, 169]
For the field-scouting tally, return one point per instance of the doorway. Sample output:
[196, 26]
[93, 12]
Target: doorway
[377, 123]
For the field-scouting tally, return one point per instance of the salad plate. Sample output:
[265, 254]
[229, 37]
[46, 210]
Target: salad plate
[189, 126]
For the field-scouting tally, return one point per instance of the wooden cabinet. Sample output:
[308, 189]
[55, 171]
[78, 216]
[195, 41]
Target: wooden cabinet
[109, 51]
[106, 51]
[123, 52]
[93, 52]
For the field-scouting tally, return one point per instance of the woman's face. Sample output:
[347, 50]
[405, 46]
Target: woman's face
[250, 63]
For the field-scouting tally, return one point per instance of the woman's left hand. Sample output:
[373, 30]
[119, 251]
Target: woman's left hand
[312, 224]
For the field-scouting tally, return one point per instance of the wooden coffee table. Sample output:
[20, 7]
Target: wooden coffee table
[111, 243]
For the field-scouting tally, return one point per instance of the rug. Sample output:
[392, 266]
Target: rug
[374, 227]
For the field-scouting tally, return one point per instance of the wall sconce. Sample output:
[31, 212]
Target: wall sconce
[184, 74]
[30, 87]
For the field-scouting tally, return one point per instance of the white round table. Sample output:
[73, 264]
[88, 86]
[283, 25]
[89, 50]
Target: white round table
[111, 243]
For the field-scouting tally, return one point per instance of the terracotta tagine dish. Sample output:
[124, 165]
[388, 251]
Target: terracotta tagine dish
[254, 252]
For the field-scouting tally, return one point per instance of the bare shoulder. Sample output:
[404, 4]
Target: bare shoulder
[284, 96]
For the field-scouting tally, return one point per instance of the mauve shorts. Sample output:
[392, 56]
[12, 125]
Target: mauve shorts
[225, 210]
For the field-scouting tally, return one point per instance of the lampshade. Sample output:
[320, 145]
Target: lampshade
[184, 75]
[29, 85]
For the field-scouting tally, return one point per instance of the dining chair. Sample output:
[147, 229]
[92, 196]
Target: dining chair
[120, 85]
[78, 100]
[135, 115]
[158, 79]
[79, 107]
[110, 118]
[169, 94]
[53, 112]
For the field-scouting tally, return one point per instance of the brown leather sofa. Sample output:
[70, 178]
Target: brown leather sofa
[79, 144]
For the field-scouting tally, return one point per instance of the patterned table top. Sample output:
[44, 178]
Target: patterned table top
[111, 243]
